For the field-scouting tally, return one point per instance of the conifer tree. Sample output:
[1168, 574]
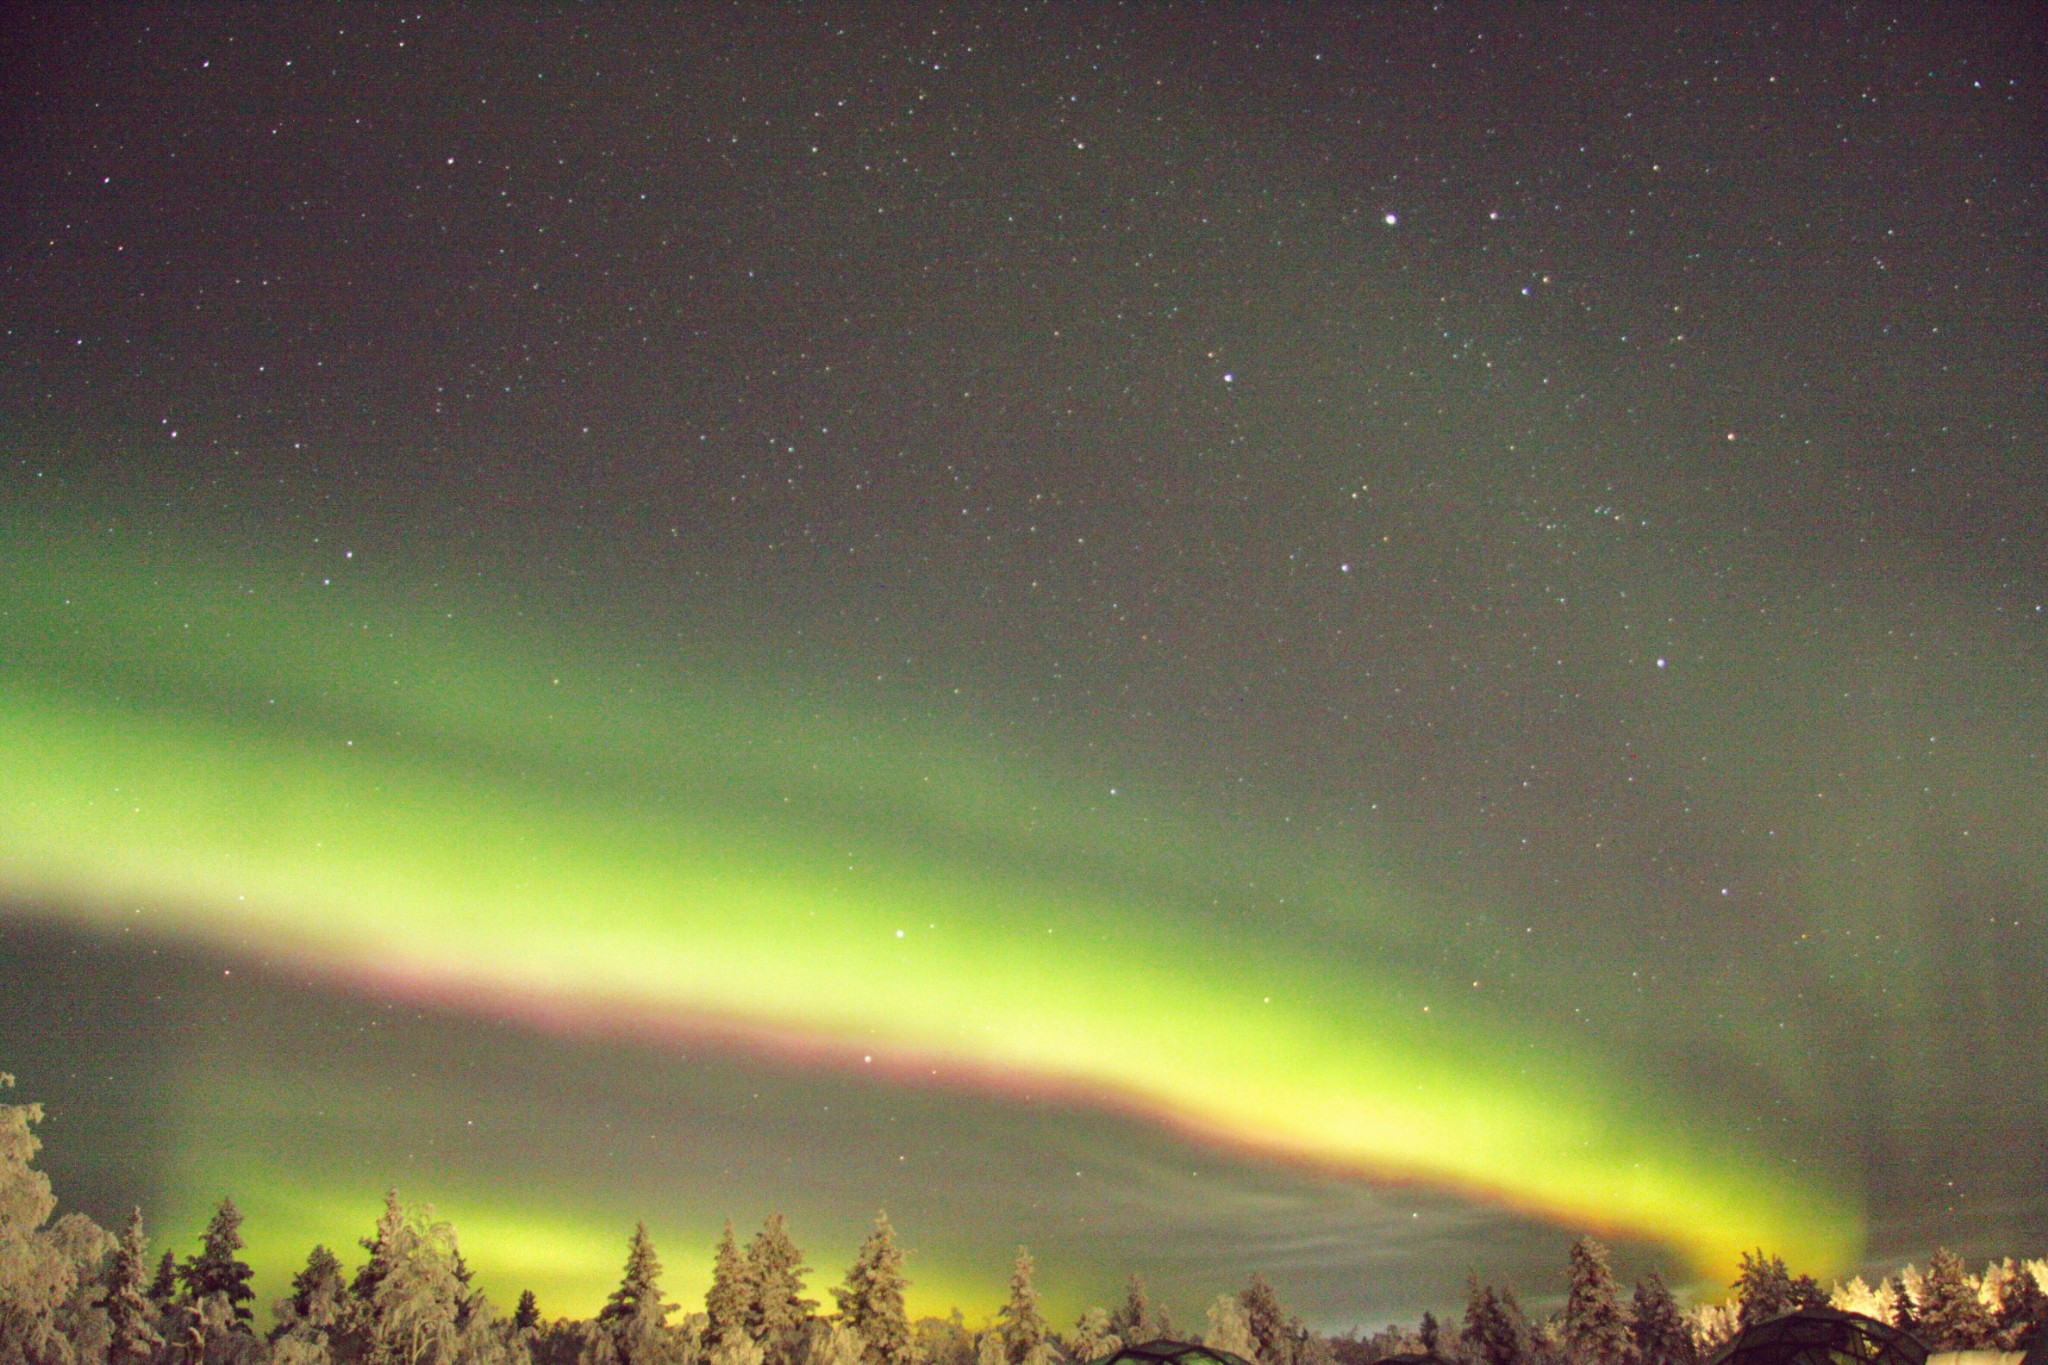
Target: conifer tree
[1763, 1287]
[634, 1319]
[2022, 1317]
[1899, 1309]
[1265, 1320]
[413, 1306]
[1092, 1337]
[526, 1317]
[1429, 1333]
[1020, 1325]
[308, 1318]
[567, 1342]
[775, 1271]
[390, 1223]
[314, 1306]
[871, 1301]
[1595, 1331]
[1488, 1336]
[1952, 1317]
[729, 1301]
[88, 1249]
[37, 1277]
[942, 1341]
[1138, 1320]
[1228, 1330]
[469, 1299]
[216, 1271]
[302, 1350]
[130, 1315]
[355, 1334]
[1519, 1326]
[833, 1343]
[1546, 1342]
[163, 1286]
[1658, 1327]
[1306, 1346]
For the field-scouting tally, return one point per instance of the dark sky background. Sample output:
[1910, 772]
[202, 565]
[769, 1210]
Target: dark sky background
[1536, 509]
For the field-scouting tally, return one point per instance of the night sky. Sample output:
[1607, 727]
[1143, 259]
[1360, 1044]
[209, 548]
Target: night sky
[1336, 641]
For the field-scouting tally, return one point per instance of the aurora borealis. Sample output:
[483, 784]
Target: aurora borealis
[1330, 643]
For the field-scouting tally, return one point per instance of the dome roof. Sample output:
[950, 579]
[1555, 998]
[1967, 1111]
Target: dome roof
[1822, 1336]
[1164, 1351]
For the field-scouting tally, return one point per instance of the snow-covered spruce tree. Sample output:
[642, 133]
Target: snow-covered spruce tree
[218, 1273]
[1266, 1320]
[1228, 1330]
[942, 1341]
[730, 1298]
[832, 1343]
[778, 1310]
[1138, 1320]
[312, 1311]
[1763, 1288]
[1900, 1310]
[1657, 1327]
[412, 1311]
[1595, 1328]
[1712, 1325]
[133, 1338]
[871, 1300]
[35, 1275]
[163, 1286]
[1952, 1317]
[381, 1245]
[2022, 1309]
[1489, 1335]
[634, 1320]
[1092, 1338]
[1020, 1326]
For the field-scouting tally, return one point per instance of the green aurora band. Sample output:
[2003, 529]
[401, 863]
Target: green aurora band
[445, 801]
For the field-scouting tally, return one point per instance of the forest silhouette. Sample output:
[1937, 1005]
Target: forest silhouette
[73, 1293]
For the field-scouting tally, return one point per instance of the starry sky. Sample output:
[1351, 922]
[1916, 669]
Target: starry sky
[1342, 642]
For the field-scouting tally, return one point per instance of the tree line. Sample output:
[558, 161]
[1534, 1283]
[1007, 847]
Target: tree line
[72, 1293]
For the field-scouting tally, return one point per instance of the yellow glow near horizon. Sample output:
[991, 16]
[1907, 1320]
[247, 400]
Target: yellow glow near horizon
[505, 852]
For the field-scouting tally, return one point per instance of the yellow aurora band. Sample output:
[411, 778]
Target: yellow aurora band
[407, 794]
